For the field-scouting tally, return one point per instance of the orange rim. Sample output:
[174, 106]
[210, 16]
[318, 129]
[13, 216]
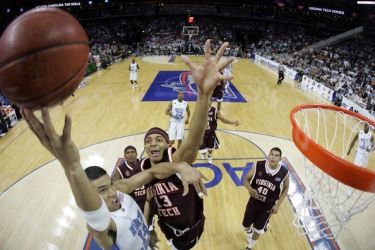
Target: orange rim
[338, 168]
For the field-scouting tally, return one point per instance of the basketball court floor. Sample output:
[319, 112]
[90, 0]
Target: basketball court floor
[37, 209]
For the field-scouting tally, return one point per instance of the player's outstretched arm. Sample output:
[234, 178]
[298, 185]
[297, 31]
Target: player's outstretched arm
[66, 152]
[206, 77]
[227, 121]
[164, 170]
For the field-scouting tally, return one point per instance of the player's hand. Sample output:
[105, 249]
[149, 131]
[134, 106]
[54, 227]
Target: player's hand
[190, 175]
[253, 193]
[62, 147]
[207, 75]
[275, 209]
[236, 123]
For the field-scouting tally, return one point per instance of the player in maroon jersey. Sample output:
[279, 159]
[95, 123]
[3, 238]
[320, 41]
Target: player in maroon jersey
[180, 214]
[267, 183]
[210, 141]
[129, 167]
[218, 94]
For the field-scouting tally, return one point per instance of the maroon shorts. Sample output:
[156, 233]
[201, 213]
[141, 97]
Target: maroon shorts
[257, 214]
[183, 239]
[210, 141]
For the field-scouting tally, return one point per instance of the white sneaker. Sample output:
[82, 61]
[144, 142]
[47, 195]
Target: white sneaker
[202, 156]
[209, 159]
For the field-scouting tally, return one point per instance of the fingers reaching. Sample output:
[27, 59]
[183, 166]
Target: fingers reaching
[35, 125]
[67, 128]
[187, 61]
[186, 188]
[221, 51]
[225, 63]
[49, 128]
[207, 49]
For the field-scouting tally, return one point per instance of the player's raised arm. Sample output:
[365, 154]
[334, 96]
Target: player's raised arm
[85, 194]
[206, 77]
[227, 121]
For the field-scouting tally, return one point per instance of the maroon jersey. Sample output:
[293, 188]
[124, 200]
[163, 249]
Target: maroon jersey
[219, 91]
[268, 186]
[212, 120]
[172, 208]
[126, 171]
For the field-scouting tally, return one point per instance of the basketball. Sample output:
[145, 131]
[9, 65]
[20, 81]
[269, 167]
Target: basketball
[43, 58]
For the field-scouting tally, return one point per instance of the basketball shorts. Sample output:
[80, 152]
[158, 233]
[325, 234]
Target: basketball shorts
[257, 214]
[133, 76]
[186, 238]
[210, 141]
[176, 130]
[361, 158]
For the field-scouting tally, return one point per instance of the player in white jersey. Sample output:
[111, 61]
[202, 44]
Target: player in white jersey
[176, 110]
[227, 72]
[365, 146]
[133, 68]
[112, 217]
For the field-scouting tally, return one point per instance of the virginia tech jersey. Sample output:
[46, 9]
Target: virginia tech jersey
[212, 120]
[268, 186]
[173, 208]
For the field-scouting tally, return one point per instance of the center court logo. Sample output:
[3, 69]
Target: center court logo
[167, 83]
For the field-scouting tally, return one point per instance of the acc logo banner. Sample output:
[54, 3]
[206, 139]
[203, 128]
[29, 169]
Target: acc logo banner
[167, 83]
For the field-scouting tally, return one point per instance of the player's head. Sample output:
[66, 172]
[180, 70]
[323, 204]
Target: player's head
[274, 156]
[156, 142]
[130, 154]
[180, 95]
[366, 127]
[101, 180]
[133, 60]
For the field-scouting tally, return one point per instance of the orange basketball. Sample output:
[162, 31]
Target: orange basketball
[43, 58]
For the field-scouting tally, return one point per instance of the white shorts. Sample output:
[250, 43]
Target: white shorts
[361, 158]
[133, 76]
[176, 130]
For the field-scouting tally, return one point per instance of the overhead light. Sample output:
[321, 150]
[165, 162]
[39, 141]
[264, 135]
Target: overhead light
[365, 2]
[90, 2]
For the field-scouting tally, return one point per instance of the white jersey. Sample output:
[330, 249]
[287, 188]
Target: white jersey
[364, 141]
[178, 110]
[133, 67]
[132, 229]
[228, 70]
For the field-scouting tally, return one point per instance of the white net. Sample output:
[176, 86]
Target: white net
[328, 204]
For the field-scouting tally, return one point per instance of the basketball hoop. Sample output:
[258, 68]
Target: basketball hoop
[336, 189]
